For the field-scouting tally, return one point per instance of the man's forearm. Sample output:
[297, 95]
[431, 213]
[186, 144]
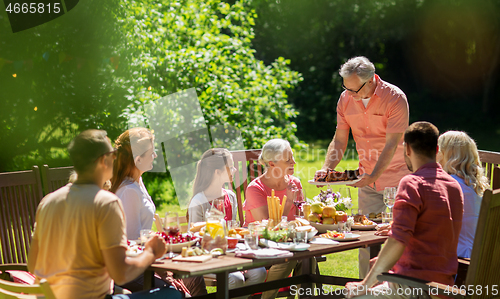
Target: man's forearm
[389, 255]
[334, 154]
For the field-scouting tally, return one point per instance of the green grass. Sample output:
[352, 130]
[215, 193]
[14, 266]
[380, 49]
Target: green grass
[309, 160]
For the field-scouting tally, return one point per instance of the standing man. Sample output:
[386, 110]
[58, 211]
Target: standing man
[428, 215]
[79, 241]
[377, 113]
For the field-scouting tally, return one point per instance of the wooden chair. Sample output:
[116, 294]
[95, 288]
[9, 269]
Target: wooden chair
[491, 164]
[183, 223]
[484, 266]
[20, 193]
[55, 178]
[24, 291]
[247, 169]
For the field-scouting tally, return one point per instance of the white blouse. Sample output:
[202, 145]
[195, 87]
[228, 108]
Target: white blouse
[138, 206]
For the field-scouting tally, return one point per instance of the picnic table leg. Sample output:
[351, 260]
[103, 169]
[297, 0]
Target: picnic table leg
[307, 268]
[149, 279]
[222, 285]
[374, 251]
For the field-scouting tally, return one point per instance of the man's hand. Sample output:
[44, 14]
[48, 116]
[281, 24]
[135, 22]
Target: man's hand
[355, 289]
[383, 229]
[366, 179]
[157, 245]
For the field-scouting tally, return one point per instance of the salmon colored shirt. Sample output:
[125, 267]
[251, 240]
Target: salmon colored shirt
[256, 197]
[427, 220]
[386, 112]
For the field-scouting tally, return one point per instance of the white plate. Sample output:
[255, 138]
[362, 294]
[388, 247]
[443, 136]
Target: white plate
[322, 228]
[312, 182]
[284, 245]
[364, 227]
[353, 237]
[178, 246]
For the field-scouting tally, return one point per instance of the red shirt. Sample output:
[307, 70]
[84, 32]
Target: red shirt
[387, 112]
[256, 196]
[427, 219]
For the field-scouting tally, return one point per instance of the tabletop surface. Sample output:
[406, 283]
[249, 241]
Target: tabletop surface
[231, 263]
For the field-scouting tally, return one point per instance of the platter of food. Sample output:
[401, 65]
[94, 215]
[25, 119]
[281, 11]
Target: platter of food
[336, 236]
[375, 217]
[333, 177]
[361, 222]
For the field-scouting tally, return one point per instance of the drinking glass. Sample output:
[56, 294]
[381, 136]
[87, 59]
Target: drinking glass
[300, 237]
[218, 207]
[345, 193]
[298, 200]
[144, 236]
[389, 197]
[252, 238]
[386, 217]
[171, 227]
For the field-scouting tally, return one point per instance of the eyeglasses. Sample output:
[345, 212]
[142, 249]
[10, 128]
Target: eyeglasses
[343, 86]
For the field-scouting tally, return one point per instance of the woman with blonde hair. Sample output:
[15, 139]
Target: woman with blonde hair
[459, 157]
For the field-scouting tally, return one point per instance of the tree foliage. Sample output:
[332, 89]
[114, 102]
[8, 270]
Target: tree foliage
[444, 54]
[206, 45]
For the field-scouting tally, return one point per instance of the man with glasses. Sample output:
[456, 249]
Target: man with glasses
[377, 113]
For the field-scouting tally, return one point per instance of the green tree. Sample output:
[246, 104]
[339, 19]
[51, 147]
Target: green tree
[206, 45]
[58, 79]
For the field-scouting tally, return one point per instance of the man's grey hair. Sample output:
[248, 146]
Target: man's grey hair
[360, 66]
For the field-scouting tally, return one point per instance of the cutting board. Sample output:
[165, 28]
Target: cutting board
[193, 259]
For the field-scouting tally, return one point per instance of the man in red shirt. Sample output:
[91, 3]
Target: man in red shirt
[427, 220]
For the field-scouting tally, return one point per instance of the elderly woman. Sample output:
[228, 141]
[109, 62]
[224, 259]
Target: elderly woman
[459, 157]
[277, 157]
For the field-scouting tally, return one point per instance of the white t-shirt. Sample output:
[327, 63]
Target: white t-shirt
[365, 101]
[138, 206]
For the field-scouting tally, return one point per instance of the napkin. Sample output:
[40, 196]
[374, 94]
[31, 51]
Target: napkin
[266, 253]
[323, 241]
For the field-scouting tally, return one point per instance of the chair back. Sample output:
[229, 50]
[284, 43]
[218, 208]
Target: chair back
[183, 223]
[20, 194]
[485, 264]
[491, 162]
[24, 291]
[247, 169]
[55, 178]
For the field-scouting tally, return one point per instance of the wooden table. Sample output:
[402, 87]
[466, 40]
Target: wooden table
[225, 264]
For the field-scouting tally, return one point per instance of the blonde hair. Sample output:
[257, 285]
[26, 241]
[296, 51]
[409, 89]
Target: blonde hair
[273, 151]
[459, 156]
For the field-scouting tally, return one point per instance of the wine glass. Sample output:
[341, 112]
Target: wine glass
[145, 234]
[390, 197]
[345, 193]
[171, 227]
[298, 200]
